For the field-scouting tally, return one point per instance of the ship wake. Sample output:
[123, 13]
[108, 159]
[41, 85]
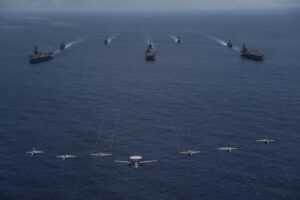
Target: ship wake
[222, 42]
[174, 38]
[73, 43]
[111, 38]
[69, 45]
[236, 48]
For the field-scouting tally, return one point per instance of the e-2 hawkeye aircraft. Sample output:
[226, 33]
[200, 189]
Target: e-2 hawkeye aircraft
[136, 161]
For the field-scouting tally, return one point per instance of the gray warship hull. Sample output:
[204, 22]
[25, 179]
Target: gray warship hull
[40, 57]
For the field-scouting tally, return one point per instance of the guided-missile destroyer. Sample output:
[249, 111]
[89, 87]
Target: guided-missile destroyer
[150, 52]
[229, 44]
[179, 41]
[62, 46]
[37, 57]
[106, 41]
[251, 54]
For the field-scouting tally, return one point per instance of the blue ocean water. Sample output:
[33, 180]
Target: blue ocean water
[197, 95]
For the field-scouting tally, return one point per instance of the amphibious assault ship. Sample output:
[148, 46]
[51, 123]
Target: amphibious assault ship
[150, 52]
[251, 54]
[37, 57]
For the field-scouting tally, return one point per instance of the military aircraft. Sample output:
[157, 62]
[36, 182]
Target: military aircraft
[189, 152]
[265, 141]
[227, 148]
[136, 161]
[66, 156]
[34, 152]
[101, 154]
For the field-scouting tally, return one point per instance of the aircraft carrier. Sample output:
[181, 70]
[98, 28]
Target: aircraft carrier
[37, 57]
[251, 54]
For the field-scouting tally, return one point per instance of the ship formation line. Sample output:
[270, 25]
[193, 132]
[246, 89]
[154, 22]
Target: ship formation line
[150, 52]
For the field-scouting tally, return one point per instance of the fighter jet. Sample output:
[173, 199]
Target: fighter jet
[189, 152]
[101, 154]
[34, 152]
[227, 148]
[136, 161]
[66, 156]
[265, 141]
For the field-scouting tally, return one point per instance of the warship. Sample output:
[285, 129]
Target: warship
[252, 54]
[179, 41]
[106, 41]
[62, 46]
[229, 44]
[150, 52]
[37, 57]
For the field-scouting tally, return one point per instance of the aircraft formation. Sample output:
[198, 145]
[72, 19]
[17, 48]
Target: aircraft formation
[137, 161]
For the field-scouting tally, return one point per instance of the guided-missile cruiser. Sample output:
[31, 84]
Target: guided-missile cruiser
[251, 54]
[37, 57]
[150, 53]
[229, 44]
[62, 46]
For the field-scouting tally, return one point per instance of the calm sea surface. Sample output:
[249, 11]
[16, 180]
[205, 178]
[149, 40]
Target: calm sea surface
[199, 95]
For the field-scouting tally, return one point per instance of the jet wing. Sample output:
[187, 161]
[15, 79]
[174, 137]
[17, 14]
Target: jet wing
[101, 154]
[184, 152]
[70, 156]
[95, 154]
[120, 161]
[60, 156]
[149, 161]
[189, 152]
[226, 148]
[106, 154]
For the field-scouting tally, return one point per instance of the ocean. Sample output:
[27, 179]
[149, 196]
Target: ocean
[197, 95]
